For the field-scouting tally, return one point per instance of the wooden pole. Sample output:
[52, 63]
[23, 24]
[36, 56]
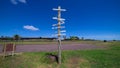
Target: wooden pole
[13, 49]
[59, 36]
[59, 19]
[4, 49]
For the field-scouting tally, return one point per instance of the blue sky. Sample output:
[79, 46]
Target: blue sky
[94, 19]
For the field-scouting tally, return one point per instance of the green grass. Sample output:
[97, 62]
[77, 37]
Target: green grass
[108, 58]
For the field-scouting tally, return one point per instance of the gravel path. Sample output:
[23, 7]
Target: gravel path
[37, 48]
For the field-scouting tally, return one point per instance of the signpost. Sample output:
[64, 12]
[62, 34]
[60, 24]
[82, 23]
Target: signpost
[58, 27]
[9, 48]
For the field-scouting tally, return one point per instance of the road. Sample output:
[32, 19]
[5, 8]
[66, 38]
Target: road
[51, 47]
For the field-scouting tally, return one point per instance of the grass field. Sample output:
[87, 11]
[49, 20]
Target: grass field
[107, 58]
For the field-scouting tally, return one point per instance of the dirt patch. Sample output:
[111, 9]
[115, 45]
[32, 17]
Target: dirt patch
[51, 58]
[76, 62]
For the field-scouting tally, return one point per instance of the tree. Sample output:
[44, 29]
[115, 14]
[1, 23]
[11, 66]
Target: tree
[74, 38]
[16, 37]
[2, 37]
[82, 38]
[104, 40]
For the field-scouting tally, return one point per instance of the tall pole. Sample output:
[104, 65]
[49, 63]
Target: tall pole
[60, 21]
[59, 35]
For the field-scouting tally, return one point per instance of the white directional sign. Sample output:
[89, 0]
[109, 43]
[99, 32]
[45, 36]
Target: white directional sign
[59, 31]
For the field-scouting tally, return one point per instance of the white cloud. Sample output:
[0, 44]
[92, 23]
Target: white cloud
[22, 1]
[16, 1]
[30, 27]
